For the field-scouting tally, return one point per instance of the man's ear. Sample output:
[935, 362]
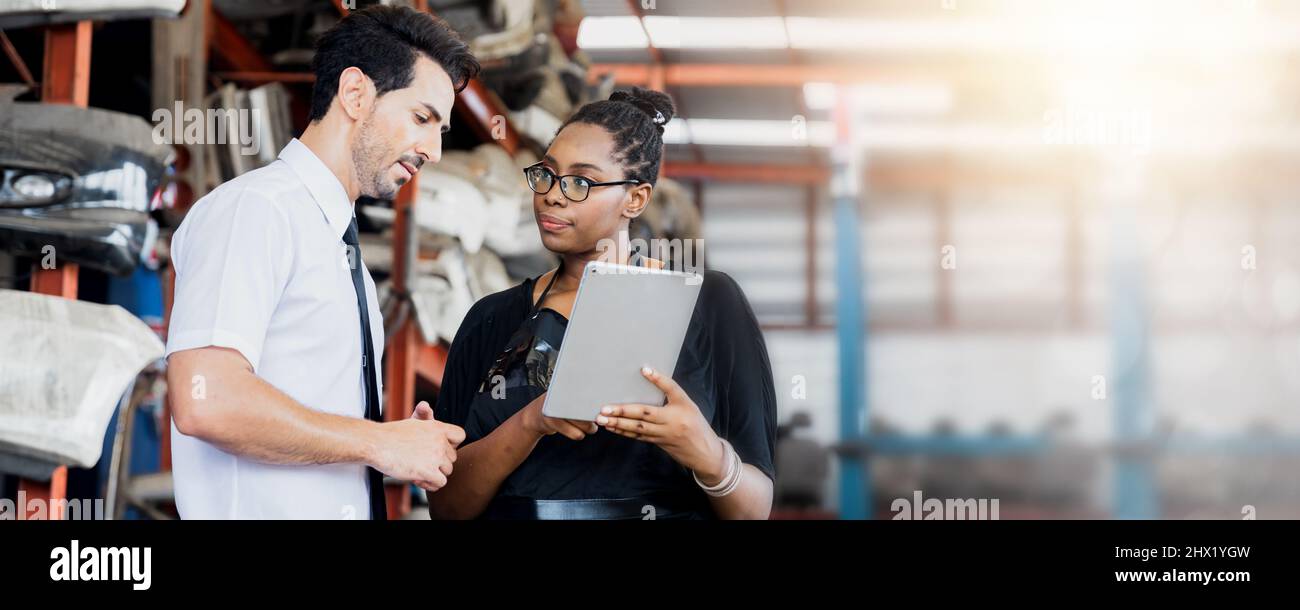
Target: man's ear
[638, 199]
[356, 93]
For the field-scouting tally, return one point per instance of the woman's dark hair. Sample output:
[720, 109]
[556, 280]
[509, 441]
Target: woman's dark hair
[382, 41]
[636, 119]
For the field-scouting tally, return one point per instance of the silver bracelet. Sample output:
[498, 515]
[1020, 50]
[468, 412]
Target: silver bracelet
[731, 476]
[726, 474]
[739, 470]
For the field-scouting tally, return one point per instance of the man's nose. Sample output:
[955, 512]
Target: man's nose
[431, 151]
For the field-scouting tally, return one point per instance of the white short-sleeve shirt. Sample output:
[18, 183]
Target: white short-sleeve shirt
[261, 268]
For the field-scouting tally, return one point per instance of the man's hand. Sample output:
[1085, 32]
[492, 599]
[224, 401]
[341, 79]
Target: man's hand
[420, 449]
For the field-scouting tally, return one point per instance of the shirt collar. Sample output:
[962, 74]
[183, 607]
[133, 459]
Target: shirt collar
[323, 185]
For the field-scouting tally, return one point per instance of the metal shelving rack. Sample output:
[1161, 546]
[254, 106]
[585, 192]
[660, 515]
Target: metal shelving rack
[65, 80]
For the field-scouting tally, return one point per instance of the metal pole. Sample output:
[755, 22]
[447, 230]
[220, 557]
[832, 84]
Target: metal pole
[1135, 485]
[850, 314]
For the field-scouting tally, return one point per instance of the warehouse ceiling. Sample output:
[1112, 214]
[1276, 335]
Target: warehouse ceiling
[999, 68]
[719, 102]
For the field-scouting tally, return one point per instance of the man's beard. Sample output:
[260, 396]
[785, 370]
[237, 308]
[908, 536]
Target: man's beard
[367, 157]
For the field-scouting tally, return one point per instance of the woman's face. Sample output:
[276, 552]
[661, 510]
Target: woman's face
[571, 227]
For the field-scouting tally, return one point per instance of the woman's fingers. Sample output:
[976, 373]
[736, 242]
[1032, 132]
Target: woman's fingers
[571, 431]
[632, 411]
[633, 421]
[634, 428]
[671, 390]
[568, 429]
[623, 433]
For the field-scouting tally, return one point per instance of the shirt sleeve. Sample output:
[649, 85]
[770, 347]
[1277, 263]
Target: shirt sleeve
[743, 374]
[232, 258]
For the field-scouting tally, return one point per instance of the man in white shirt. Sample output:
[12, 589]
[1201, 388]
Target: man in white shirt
[275, 332]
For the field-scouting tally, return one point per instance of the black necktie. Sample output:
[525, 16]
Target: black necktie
[378, 506]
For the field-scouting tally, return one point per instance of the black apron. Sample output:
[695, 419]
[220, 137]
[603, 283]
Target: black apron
[522, 373]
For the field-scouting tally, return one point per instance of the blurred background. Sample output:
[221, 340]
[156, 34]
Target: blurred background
[1036, 257]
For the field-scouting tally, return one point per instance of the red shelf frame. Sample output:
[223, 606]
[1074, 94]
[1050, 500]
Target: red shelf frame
[66, 80]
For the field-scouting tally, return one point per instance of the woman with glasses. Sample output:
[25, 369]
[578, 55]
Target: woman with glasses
[706, 453]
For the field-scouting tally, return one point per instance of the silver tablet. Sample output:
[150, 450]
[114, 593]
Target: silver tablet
[624, 318]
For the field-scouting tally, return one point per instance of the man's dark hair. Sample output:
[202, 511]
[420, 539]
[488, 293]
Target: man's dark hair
[636, 119]
[382, 42]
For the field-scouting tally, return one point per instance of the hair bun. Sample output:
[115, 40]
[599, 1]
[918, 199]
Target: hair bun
[656, 105]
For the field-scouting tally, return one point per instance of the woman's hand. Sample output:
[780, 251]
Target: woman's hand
[678, 427]
[537, 423]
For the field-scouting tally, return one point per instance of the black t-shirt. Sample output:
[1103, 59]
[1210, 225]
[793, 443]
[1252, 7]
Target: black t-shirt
[723, 367]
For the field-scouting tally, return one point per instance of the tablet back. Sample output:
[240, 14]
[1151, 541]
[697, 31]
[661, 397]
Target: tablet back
[623, 318]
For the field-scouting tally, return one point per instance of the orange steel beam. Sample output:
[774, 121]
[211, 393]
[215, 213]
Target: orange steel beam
[66, 80]
[401, 366]
[881, 176]
[399, 369]
[230, 49]
[67, 64]
[481, 109]
[791, 174]
[744, 75]
[257, 77]
[233, 53]
[17, 60]
[61, 281]
[431, 362]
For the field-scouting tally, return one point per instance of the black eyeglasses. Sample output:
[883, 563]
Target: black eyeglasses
[541, 179]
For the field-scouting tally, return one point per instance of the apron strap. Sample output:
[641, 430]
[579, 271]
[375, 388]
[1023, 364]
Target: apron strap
[637, 261]
[546, 290]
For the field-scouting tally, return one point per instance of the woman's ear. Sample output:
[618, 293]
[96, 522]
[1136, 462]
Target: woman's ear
[638, 198]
